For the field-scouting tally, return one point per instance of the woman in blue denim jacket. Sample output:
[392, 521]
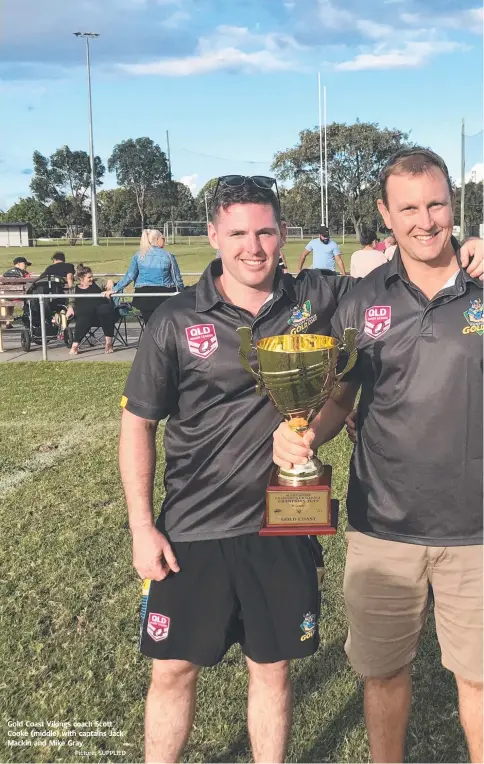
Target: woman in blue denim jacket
[153, 269]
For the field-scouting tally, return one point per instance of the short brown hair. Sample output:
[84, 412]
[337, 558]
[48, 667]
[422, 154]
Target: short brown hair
[412, 161]
[248, 193]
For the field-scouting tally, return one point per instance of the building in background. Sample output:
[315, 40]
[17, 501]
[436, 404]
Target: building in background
[16, 235]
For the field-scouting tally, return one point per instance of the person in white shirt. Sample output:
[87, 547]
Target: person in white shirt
[365, 260]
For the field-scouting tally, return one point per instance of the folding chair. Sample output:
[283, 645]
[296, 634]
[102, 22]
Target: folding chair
[120, 328]
[93, 337]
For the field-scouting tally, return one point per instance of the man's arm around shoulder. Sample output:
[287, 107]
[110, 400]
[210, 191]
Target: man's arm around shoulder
[153, 557]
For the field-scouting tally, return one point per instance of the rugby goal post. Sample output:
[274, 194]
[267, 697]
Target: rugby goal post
[294, 232]
[185, 230]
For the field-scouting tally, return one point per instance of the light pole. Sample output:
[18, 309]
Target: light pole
[87, 36]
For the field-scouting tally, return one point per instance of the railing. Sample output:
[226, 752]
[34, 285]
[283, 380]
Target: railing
[43, 298]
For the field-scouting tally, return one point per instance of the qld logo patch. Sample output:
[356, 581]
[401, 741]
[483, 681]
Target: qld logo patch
[158, 626]
[202, 340]
[378, 320]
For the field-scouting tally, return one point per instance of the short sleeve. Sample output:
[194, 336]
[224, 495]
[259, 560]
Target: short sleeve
[151, 390]
[309, 246]
[336, 250]
[70, 268]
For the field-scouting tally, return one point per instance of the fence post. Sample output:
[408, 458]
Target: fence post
[42, 327]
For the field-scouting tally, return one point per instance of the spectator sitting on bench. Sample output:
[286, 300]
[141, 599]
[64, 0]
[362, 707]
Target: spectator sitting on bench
[18, 271]
[91, 312]
[60, 268]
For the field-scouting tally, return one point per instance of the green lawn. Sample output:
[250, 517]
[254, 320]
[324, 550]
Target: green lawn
[192, 258]
[69, 598]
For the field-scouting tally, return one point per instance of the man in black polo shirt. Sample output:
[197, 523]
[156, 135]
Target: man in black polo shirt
[214, 580]
[61, 269]
[415, 489]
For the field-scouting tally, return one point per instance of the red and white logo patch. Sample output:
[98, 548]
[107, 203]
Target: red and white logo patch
[202, 340]
[158, 626]
[378, 320]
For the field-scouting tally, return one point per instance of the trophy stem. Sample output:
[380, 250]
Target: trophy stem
[302, 474]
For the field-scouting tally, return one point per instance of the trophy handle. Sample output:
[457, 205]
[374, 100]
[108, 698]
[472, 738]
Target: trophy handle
[348, 345]
[246, 346]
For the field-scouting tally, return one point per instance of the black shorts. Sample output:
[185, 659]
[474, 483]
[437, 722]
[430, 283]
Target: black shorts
[261, 592]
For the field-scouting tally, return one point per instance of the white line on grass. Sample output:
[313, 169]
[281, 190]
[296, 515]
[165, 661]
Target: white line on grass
[60, 450]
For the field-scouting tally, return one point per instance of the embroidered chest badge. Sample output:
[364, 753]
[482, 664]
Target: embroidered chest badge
[474, 316]
[301, 318]
[202, 340]
[378, 320]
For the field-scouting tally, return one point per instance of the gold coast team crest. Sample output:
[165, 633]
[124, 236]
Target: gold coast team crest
[301, 318]
[474, 317]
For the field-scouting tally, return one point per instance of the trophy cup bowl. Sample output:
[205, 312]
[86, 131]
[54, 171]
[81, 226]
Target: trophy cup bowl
[298, 372]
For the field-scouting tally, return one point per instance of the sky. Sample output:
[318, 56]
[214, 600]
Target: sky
[234, 81]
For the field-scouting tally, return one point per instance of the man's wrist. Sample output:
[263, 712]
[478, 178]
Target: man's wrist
[143, 525]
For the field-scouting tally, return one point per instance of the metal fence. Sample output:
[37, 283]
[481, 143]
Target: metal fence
[43, 298]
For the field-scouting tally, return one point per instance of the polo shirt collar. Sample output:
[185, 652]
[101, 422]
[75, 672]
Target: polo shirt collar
[396, 268]
[207, 295]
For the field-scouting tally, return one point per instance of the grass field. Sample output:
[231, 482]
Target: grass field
[192, 258]
[69, 600]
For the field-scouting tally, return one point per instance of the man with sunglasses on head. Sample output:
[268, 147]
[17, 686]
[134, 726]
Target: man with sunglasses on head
[210, 580]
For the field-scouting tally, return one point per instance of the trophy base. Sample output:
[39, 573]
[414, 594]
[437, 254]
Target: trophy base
[300, 510]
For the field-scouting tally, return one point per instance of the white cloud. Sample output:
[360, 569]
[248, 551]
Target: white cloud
[333, 17]
[229, 48]
[190, 181]
[229, 59]
[373, 30]
[176, 20]
[469, 20]
[411, 56]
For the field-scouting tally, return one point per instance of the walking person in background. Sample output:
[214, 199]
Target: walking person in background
[365, 260]
[326, 254]
[153, 269]
[91, 312]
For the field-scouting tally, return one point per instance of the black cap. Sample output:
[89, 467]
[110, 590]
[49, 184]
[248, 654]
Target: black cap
[324, 231]
[21, 260]
[59, 256]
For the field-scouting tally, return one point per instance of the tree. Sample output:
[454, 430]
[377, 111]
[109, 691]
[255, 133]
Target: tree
[64, 178]
[171, 201]
[208, 189]
[118, 213]
[356, 154]
[472, 203]
[140, 166]
[30, 210]
[301, 205]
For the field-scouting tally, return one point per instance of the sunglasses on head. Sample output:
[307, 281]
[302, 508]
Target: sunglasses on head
[234, 181]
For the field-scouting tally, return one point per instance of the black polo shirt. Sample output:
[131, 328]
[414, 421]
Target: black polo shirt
[416, 471]
[218, 437]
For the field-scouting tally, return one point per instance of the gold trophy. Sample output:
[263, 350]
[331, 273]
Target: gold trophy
[298, 373]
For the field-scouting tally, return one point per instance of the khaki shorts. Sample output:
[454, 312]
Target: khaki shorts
[387, 586]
